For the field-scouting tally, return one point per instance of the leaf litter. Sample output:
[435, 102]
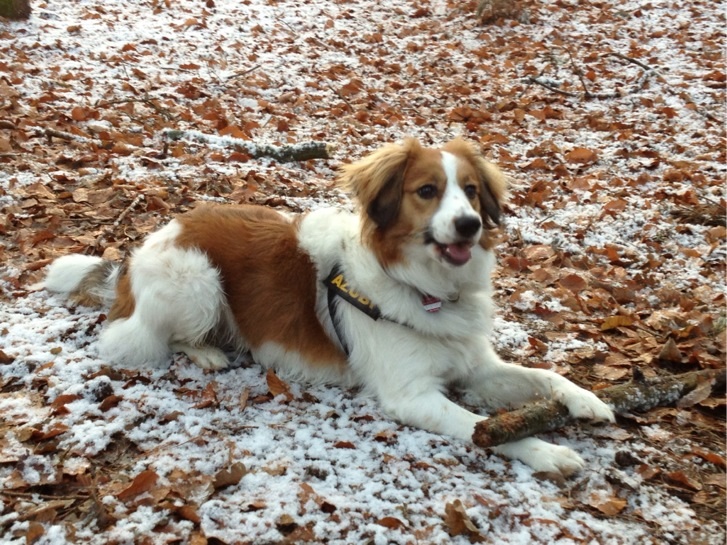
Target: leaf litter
[606, 117]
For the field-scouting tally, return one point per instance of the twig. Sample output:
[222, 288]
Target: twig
[53, 133]
[19, 494]
[340, 96]
[586, 92]
[244, 72]
[282, 154]
[134, 203]
[545, 416]
[632, 61]
[550, 87]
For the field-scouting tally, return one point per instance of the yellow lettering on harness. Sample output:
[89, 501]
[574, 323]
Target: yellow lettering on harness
[338, 281]
[354, 294]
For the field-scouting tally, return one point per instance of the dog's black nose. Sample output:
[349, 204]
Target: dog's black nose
[467, 226]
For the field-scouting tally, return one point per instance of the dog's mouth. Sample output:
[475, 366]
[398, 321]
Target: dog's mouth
[456, 253]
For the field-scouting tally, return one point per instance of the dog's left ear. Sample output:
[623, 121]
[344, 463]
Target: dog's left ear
[377, 180]
[493, 186]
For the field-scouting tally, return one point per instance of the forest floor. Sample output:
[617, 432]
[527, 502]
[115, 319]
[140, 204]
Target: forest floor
[608, 118]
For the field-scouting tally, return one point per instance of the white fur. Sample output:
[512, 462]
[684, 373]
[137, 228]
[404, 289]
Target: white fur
[65, 273]
[406, 361]
[408, 368]
[454, 204]
[178, 300]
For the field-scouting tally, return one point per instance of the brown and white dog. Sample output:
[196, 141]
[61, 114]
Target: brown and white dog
[395, 299]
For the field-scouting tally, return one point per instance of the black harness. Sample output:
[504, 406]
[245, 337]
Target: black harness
[337, 286]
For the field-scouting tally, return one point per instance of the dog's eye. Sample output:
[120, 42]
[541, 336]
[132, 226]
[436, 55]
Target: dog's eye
[428, 191]
[470, 191]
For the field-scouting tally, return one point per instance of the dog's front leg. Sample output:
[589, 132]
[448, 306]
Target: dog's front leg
[421, 404]
[501, 384]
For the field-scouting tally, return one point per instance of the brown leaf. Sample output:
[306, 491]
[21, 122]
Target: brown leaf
[612, 322]
[142, 483]
[581, 155]
[59, 404]
[573, 282]
[670, 352]
[610, 506]
[391, 523]
[244, 396]
[209, 397]
[190, 513]
[681, 479]
[277, 386]
[35, 531]
[344, 444]
[699, 394]
[6, 359]
[711, 457]
[459, 523]
[229, 477]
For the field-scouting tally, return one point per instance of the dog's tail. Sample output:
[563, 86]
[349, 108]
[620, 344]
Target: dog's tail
[84, 279]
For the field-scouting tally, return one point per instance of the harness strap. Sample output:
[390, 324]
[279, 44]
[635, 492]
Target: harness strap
[334, 321]
[337, 286]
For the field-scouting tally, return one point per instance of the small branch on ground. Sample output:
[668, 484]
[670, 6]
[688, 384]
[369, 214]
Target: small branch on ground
[70, 137]
[244, 72]
[67, 136]
[552, 87]
[282, 154]
[632, 61]
[545, 416]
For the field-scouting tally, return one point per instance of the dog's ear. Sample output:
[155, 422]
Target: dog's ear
[377, 180]
[493, 186]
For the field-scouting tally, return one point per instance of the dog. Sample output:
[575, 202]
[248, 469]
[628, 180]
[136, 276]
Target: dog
[395, 298]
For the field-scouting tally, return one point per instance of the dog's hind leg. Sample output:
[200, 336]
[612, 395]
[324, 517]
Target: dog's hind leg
[175, 299]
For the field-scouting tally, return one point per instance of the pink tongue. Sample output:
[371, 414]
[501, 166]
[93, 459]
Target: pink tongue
[459, 254]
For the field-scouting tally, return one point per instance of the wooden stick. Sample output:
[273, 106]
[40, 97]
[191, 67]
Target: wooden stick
[282, 154]
[637, 395]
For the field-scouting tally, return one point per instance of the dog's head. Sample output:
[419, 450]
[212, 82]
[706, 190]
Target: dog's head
[445, 200]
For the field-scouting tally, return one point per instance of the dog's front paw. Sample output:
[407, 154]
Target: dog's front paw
[586, 405]
[543, 457]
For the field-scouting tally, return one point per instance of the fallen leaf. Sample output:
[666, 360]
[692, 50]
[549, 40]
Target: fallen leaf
[277, 386]
[581, 155]
[699, 394]
[681, 479]
[230, 477]
[609, 506]
[710, 457]
[392, 523]
[670, 352]
[573, 282]
[612, 322]
[142, 483]
[458, 523]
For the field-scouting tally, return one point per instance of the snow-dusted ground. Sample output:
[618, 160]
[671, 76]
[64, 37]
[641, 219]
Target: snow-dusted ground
[328, 466]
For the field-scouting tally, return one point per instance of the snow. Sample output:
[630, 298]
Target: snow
[125, 51]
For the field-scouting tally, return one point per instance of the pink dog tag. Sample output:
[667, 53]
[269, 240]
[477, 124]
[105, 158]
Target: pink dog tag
[431, 304]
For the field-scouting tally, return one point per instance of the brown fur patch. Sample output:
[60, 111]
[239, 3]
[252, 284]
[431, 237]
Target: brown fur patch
[385, 184]
[124, 303]
[86, 292]
[270, 283]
